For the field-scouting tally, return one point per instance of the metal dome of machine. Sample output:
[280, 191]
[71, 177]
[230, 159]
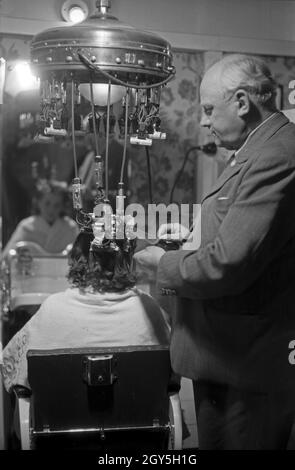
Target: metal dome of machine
[105, 61]
[129, 54]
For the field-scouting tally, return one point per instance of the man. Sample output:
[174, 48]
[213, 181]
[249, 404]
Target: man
[236, 293]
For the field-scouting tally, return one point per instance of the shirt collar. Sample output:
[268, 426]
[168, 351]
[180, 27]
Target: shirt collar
[253, 132]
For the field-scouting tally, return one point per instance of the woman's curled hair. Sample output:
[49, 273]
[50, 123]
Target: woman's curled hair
[101, 269]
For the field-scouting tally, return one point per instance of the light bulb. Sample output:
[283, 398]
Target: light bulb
[76, 14]
[100, 93]
[74, 11]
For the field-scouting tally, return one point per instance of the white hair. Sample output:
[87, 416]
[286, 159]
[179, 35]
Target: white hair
[238, 71]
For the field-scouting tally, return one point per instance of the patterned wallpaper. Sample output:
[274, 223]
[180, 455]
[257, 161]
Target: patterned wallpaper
[283, 70]
[15, 47]
[180, 114]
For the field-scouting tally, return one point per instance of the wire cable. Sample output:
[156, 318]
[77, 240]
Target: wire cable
[97, 69]
[148, 160]
[209, 149]
[94, 119]
[179, 174]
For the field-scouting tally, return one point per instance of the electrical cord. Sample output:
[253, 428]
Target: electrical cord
[148, 160]
[94, 118]
[209, 149]
[180, 172]
[110, 77]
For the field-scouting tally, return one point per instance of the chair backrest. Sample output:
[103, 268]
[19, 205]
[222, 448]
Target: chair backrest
[99, 389]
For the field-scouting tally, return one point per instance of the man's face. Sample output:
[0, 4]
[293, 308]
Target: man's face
[220, 113]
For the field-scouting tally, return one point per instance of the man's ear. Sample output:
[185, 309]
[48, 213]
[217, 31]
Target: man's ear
[243, 102]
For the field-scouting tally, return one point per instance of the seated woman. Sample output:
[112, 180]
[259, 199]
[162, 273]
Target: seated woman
[101, 308]
[50, 228]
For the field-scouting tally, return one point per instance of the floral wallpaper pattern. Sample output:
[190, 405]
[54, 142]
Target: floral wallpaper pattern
[283, 70]
[180, 114]
[15, 47]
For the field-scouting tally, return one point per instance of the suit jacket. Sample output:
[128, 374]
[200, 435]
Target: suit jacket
[236, 293]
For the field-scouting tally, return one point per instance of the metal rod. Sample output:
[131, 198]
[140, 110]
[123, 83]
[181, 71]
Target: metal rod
[107, 144]
[103, 6]
[93, 118]
[94, 430]
[125, 137]
[73, 131]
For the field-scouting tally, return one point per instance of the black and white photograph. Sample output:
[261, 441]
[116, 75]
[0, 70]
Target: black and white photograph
[147, 230]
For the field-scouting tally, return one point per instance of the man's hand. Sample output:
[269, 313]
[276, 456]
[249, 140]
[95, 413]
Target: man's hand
[148, 259]
[173, 231]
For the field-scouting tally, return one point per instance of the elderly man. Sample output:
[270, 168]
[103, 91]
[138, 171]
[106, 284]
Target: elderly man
[235, 324]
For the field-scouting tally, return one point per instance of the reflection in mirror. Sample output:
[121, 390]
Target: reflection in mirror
[54, 160]
[38, 220]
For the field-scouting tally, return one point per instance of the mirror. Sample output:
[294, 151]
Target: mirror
[19, 114]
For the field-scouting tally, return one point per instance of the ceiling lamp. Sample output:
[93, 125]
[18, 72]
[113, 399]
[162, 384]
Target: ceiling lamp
[74, 11]
[102, 59]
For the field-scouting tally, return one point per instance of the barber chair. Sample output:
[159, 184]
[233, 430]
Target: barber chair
[29, 276]
[118, 399]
